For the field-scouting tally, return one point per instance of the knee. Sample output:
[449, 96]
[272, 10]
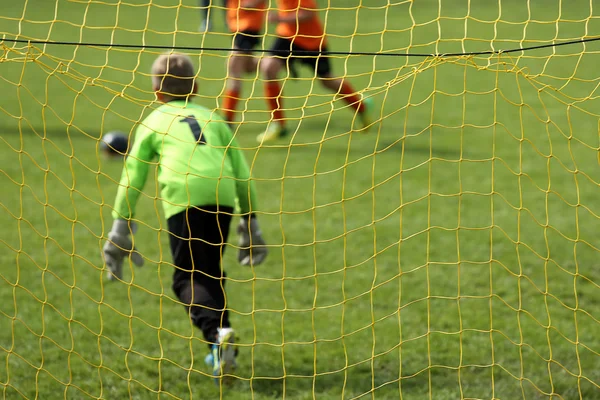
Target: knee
[251, 64]
[183, 291]
[234, 84]
[270, 67]
[235, 65]
[195, 313]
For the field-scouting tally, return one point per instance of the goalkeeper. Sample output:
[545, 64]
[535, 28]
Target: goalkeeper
[201, 172]
[301, 38]
[245, 19]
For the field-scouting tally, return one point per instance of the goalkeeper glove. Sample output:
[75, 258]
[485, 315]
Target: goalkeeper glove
[118, 246]
[253, 250]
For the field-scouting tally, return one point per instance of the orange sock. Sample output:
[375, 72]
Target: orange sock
[351, 97]
[273, 93]
[230, 103]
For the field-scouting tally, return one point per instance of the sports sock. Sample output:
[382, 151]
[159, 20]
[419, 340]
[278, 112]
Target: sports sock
[351, 97]
[230, 103]
[273, 93]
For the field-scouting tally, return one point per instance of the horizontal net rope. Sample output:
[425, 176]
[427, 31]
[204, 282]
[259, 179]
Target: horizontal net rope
[335, 53]
[449, 251]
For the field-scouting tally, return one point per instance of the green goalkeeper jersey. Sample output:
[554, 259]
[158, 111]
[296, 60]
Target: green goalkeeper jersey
[197, 159]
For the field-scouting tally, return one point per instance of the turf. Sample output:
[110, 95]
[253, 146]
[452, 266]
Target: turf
[452, 252]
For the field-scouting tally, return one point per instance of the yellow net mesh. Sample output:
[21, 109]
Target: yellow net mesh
[451, 252]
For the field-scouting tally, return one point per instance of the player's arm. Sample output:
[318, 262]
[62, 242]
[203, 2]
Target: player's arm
[135, 173]
[120, 244]
[245, 187]
[252, 246]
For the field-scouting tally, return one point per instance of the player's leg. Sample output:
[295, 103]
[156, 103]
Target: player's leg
[211, 230]
[198, 238]
[233, 85]
[205, 14]
[342, 88]
[241, 61]
[270, 68]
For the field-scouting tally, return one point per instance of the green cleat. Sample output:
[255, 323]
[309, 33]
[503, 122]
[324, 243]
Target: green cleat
[274, 131]
[366, 116]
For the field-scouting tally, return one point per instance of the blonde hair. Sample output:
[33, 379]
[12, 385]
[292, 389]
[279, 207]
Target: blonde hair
[173, 75]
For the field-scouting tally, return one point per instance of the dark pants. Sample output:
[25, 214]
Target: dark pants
[285, 49]
[206, 4]
[198, 237]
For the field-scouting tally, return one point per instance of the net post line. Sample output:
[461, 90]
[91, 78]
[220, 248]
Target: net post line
[301, 52]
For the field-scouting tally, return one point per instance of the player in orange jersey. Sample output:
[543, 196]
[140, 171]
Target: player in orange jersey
[245, 18]
[301, 38]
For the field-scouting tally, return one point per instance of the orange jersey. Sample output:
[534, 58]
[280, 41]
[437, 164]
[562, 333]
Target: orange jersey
[307, 34]
[241, 18]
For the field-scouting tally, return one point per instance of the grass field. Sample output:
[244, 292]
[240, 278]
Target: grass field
[451, 253]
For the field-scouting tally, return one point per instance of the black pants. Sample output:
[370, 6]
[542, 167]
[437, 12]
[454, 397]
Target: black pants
[246, 40]
[206, 4]
[286, 49]
[198, 237]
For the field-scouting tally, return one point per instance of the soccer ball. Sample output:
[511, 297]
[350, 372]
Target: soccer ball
[114, 144]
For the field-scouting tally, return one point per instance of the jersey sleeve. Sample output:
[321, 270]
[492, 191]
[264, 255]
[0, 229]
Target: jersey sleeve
[245, 186]
[134, 173]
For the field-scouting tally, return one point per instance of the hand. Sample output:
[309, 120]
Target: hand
[118, 246]
[253, 249]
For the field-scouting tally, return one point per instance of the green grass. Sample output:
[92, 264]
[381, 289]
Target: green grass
[451, 253]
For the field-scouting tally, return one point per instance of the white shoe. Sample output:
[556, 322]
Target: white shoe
[274, 131]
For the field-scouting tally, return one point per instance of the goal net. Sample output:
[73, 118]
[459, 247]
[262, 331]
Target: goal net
[450, 252]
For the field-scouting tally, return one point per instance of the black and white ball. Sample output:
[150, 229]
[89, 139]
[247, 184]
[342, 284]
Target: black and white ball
[114, 144]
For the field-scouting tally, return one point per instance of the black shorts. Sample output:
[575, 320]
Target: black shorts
[285, 48]
[198, 237]
[246, 40]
